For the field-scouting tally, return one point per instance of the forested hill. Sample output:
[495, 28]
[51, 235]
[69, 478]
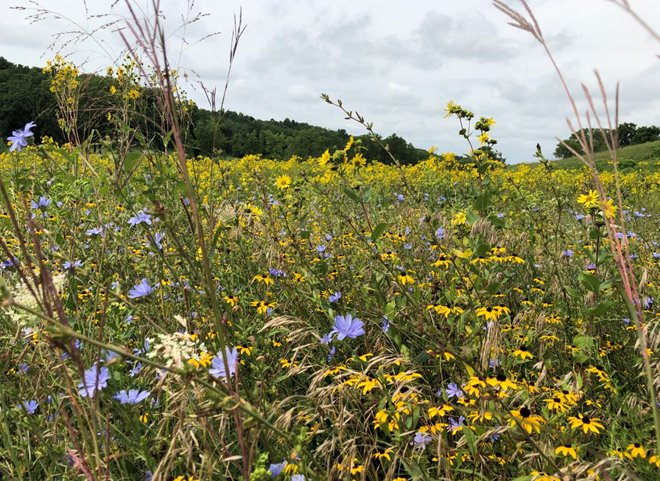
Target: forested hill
[25, 95]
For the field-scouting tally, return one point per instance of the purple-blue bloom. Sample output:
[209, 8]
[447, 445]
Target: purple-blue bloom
[30, 406]
[298, 477]
[158, 240]
[454, 391]
[69, 266]
[455, 424]
[218, 365]
[132, 396]
[331, 354]
[136, 369]
[95, 379]
[42, 203]
[142, 289]
[346, 326]
[18, 138]
[277, 468]
[334, 297]
[94, 231]
[276, 272]
[422, 439]
[140, 218]
[385, 325]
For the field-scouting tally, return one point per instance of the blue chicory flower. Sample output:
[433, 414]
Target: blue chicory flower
[346, 326]
[334, 297]
[69, 266]
[132, 396]
[142, 289]
[218, 365]
[331, 354]
[422, 439]
[94, 231]
[18, 138]
[30, 406]
[276, 469]
[455, 424]
[94, 380]
[42, 203]
[158, 240]
[385, 325]
[135, 370]
[140, 218]
[454, 391]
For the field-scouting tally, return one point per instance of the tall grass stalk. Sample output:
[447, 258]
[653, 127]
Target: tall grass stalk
[618, 247]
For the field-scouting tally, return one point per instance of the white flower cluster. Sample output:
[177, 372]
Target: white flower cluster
[23, 296]
[175, 349]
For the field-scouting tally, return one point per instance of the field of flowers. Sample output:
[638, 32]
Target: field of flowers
[323, 318]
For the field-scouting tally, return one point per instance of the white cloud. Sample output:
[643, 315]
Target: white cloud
[397, 63]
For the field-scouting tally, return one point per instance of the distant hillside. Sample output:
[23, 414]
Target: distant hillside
[25, 96]
[645, 156]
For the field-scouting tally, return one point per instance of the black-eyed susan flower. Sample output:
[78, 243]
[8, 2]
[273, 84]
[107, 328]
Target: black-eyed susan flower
[502, 382]
[586, 423]
[405, 278]
[368, 384]
[566, 450]
[231, 300]
[263, 306]
[523, 353]
[524, 418]
[488, 313]
[636, 450]
[264, 278]
[388, 256]
[384, 454]
[298, 278]
[443, 261]
[541, 476]
[556, 403]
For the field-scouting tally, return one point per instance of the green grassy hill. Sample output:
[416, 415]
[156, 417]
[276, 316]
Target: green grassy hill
[641, 155]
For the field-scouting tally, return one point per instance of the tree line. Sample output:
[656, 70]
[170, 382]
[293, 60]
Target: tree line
[628, 134]
[25, 95]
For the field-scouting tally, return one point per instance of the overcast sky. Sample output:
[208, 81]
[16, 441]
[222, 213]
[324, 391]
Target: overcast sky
[396, 62]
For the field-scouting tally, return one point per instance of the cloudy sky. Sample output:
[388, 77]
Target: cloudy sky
[396, 62]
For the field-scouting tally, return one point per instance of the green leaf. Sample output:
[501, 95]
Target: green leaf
[482, 202]
[378, 231]
[573, 292]
[589, 281]
[471, 441]
[352, 194]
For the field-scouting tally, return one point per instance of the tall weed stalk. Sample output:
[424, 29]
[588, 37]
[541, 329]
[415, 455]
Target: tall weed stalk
[585, 127]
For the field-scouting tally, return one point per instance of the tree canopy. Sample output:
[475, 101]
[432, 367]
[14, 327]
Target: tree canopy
[25, 95]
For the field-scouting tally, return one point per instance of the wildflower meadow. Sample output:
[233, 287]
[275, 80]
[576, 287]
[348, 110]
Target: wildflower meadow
[181, 318]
